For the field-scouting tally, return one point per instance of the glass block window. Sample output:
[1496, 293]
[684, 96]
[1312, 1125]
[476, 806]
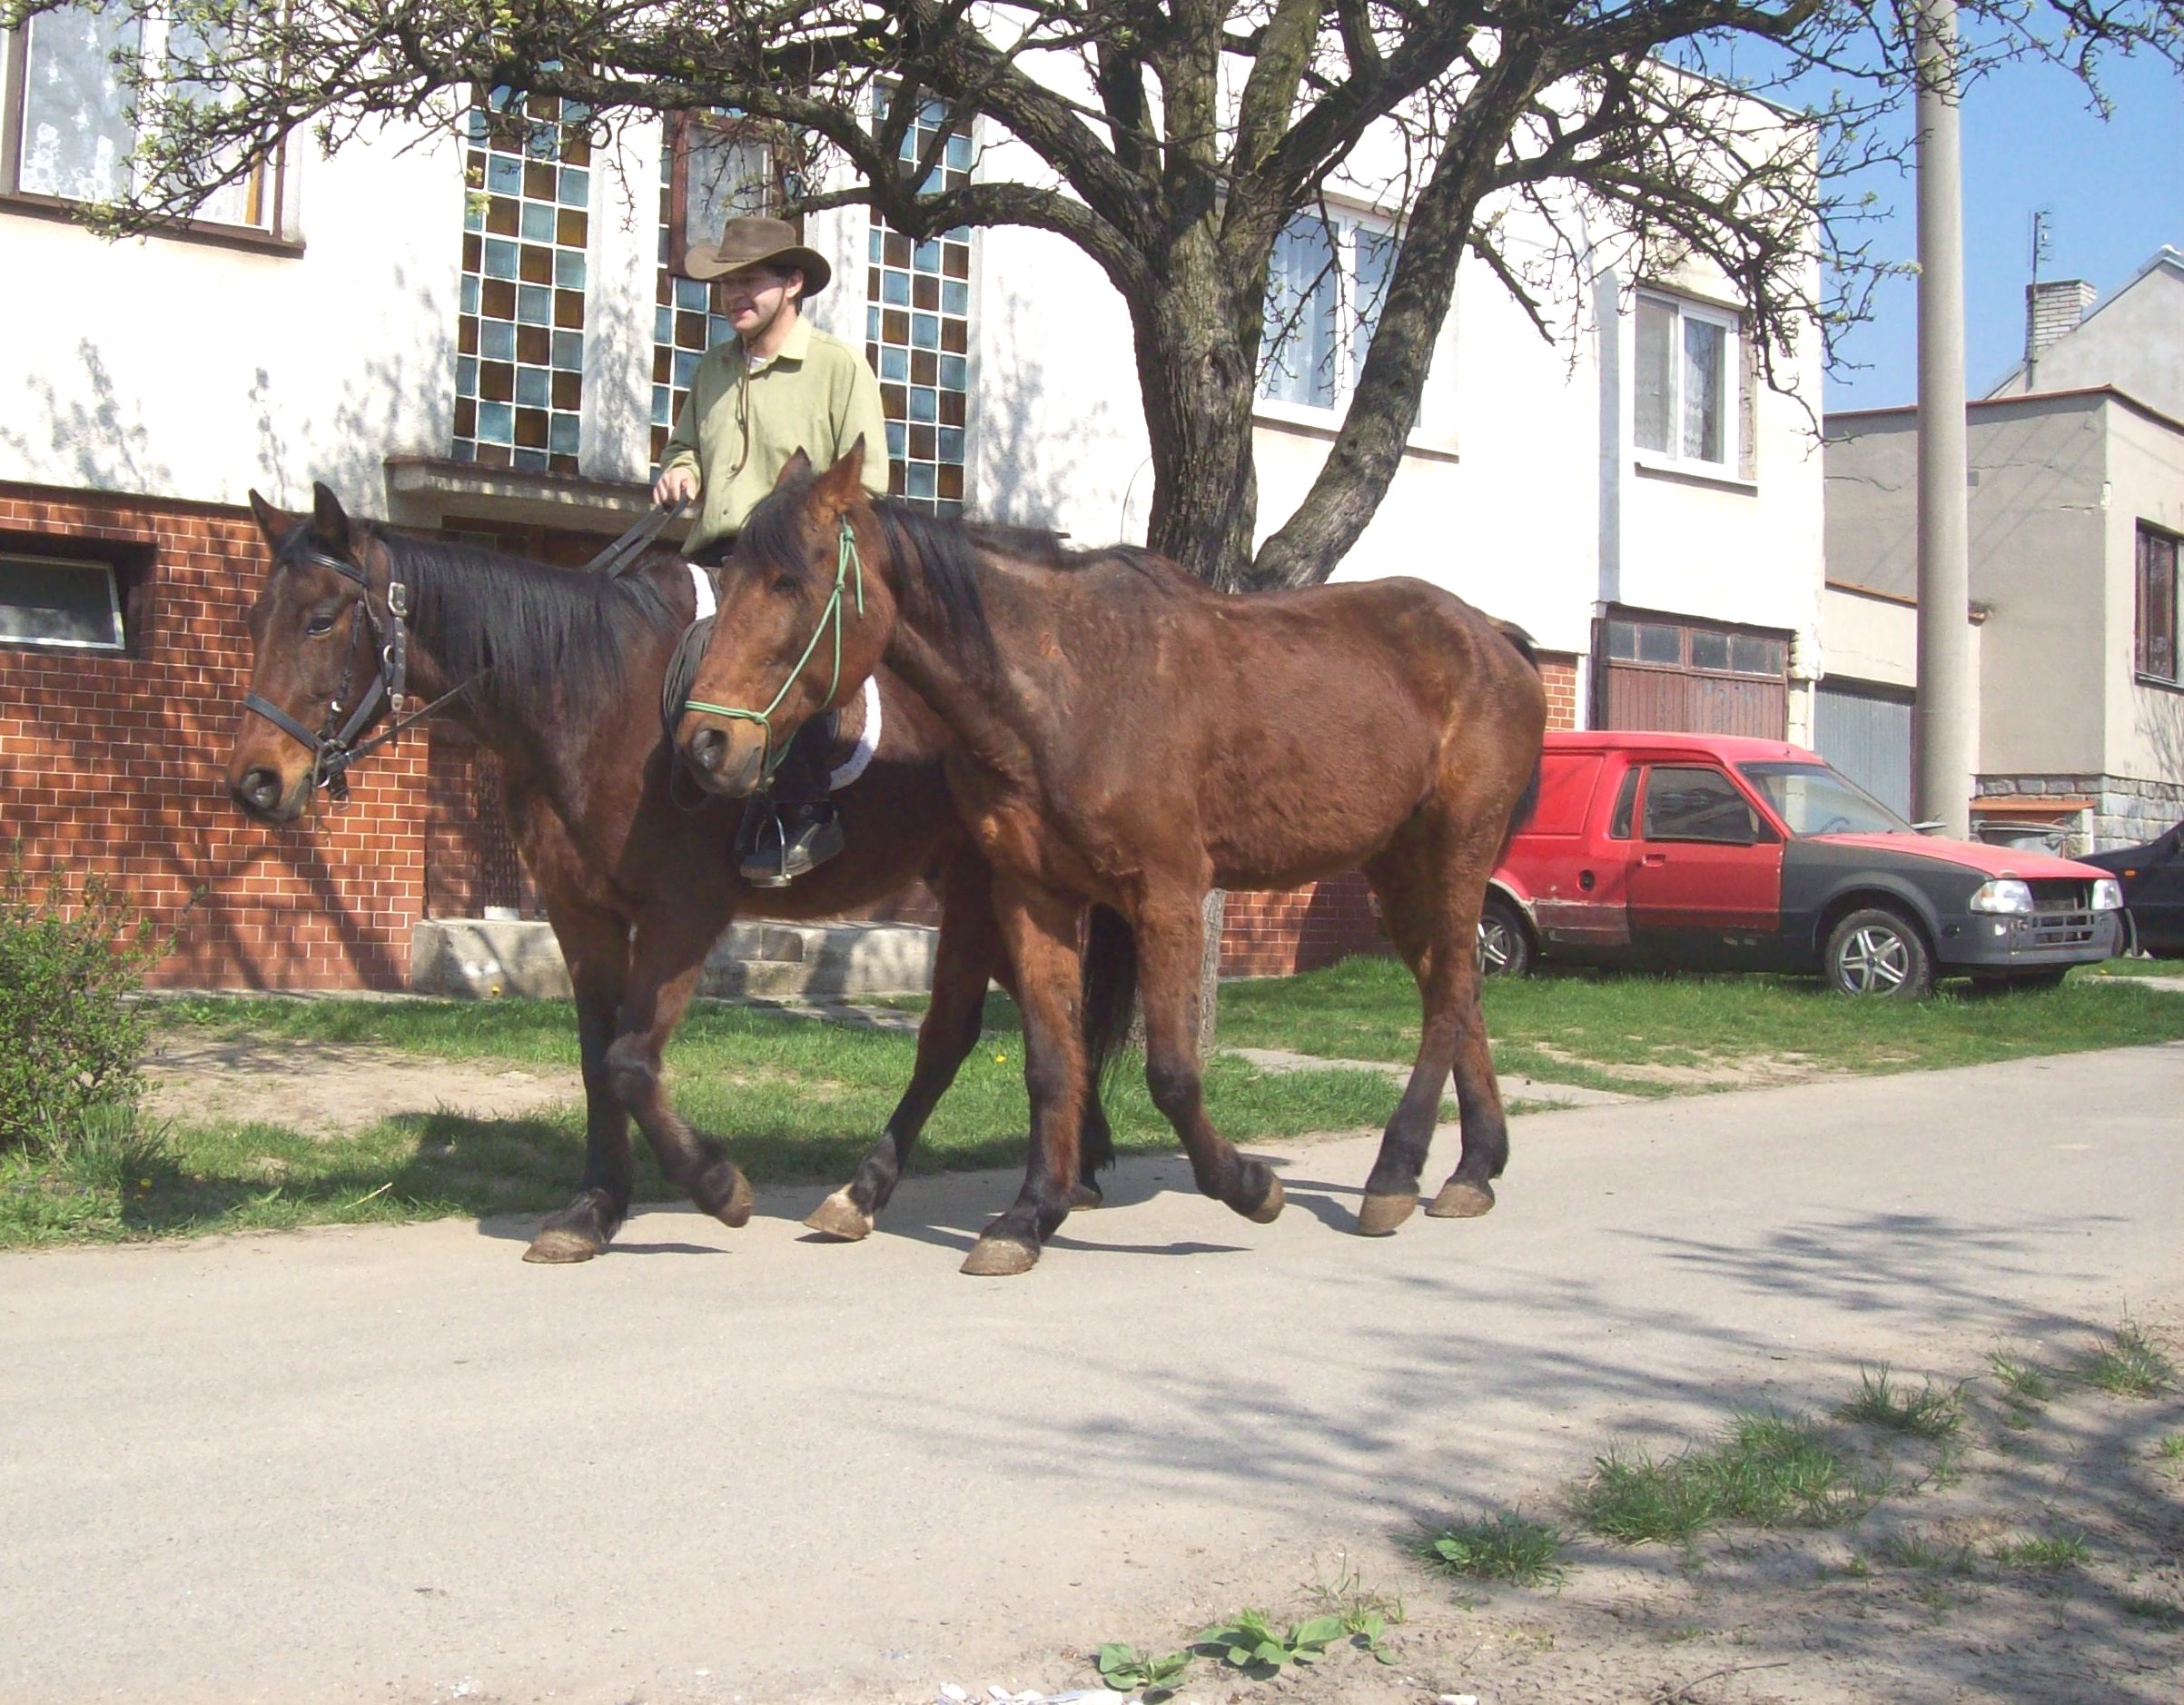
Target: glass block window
[917, 337]
[526, 228]
[683, 323]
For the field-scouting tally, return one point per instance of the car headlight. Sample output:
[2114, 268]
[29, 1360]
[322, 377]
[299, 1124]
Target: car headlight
[2004, 894]
[2108, 895]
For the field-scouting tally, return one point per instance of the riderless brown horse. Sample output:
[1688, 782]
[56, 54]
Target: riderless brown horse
[1126, 736]
[559, 672]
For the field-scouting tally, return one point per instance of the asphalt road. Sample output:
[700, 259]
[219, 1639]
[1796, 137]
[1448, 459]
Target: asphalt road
[401, 1464]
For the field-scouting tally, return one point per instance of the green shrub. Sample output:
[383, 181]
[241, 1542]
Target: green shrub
[70, 1038]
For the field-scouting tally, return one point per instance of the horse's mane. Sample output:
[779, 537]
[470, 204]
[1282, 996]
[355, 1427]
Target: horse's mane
[521, 626]
[945, 551]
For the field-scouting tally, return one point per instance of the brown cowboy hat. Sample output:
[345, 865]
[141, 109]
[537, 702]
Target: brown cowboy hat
[756, 243]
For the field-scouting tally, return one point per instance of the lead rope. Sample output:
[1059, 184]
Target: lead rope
[845, 561]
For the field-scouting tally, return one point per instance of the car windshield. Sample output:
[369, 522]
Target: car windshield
[1812, 799]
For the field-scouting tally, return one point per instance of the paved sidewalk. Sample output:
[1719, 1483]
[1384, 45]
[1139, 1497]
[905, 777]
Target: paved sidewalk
[398, 1464]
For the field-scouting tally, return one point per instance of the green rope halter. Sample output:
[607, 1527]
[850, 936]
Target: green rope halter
[847, 560]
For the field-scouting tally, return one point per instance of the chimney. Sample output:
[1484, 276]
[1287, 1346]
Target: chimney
[2051, 310]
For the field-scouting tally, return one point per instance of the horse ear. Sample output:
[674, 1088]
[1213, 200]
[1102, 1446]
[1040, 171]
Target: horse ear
[327, 517]
[844, 483]
[273, 522]
[794, 468]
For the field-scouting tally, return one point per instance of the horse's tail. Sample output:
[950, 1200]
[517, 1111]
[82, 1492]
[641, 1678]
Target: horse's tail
[1110, 995]
[1528, 801]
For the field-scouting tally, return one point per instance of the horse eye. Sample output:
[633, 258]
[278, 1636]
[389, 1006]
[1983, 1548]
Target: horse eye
[786, 585]
[321, 623]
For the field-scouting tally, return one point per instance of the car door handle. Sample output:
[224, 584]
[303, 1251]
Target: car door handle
[1653, 859]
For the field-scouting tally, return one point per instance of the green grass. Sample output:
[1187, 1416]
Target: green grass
[1926, 1414]
[1510, 1547]
[2043, 1551]
[2171, 1447]
[2135, 967]
[2127, 1366]
[795, 1099]
[1915, 1551]
[1767, 1470]
[2160, 1612]
[1578, 1029]
[2025, 1381]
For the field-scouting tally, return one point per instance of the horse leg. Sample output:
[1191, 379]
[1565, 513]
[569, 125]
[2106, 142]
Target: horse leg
[964, 962]
[1462, 890]
[668, 952]
[1401, 881]
[1171, 948]
[595, 948]
[1039, 930]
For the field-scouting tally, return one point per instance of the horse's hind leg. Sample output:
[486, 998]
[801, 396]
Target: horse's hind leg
[668, 952]
[964, 962]
[1170, 937]
[1429, 901]
[595, 948]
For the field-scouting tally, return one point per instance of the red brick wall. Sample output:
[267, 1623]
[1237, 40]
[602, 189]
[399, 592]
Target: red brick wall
[1273, 935]
[116, 764]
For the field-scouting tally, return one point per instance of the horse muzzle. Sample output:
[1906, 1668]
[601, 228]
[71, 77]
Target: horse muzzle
[730, 768]
[263, 795]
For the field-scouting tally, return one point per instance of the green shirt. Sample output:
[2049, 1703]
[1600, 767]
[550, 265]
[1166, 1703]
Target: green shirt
[815, 395]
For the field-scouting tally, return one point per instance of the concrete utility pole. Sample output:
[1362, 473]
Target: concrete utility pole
[1946, 733]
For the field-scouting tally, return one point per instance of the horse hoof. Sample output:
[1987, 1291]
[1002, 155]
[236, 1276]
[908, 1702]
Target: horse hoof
[839, 1217]
[993, 1257]
[1460, 1199]
[1085, 1195]
[558, 1246]
[1378, 1216]
[725, 1194]
[1270, 1205]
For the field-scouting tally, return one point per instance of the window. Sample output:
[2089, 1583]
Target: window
[1697, 804]
[67, 594]
[2156, 648]
[1325, 283]
[917, 333]
[1674, 645]
[72, 135]
[1689, 382]
[1626, 799]
[709, 174]
[520, 334]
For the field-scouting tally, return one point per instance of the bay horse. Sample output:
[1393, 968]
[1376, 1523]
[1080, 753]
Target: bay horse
[559, 672]
[1128, 736]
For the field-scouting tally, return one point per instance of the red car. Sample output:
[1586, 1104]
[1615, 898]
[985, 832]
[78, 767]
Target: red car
[1708, 851]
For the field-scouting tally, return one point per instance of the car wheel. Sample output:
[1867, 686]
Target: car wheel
[1878, 951]
[1504, 948]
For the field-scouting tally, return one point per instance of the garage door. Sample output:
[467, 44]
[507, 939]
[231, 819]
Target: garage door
[1865, 732]
[1671, 672]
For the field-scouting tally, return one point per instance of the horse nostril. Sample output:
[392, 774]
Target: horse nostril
[708, 747]
[260, 789]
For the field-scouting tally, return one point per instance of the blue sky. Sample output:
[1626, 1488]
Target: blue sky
[2115, 194]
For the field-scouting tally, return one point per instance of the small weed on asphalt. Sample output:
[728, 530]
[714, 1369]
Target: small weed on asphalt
[1510, 1548]
[2128, 1365]
[2023, 1379]
[2170, 1448]
[1768, 1470]
[1928, 1412]
[1252, 1642]
[1126, 1669]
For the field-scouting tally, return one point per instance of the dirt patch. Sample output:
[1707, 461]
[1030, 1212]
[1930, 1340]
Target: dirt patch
[331, 1089]
[2040, 1556]
[1743, 1071]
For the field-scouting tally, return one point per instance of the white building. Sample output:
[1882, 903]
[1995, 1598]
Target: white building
[483, 333]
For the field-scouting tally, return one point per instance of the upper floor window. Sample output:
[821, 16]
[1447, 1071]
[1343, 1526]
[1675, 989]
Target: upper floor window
[72, 121]
[2156, 647]
[711, 171]
[917, 330]
[1690, 369]
[1325, 283]
[526, 247]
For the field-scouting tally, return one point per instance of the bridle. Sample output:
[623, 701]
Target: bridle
[334, 747]
[846, 560]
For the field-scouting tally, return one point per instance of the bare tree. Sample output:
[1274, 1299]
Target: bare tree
[1177, 142]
